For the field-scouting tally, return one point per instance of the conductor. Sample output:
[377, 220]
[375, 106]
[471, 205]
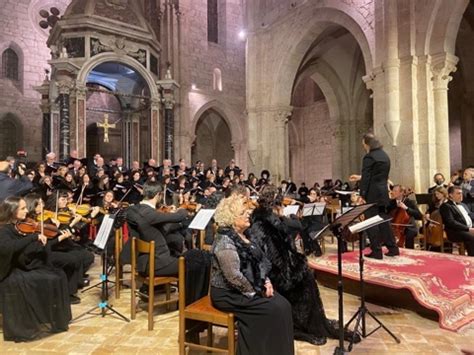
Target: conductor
[374, 189]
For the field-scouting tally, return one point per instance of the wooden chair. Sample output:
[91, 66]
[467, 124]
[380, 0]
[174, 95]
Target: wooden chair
[140, 246]
[118, 267]
[202, 310]
[436, 236]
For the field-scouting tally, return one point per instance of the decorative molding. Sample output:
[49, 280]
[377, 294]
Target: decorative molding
[64, 86]
[441, 68]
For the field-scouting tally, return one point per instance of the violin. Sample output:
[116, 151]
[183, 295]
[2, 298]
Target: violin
[82, 210]
[166, 209]
[190, 206]
[290, 201]
[29, 226]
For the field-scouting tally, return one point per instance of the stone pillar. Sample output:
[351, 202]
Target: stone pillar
[442, 66]
[169, 129]
[64, 87]
[46, 130]
[280, 154]
[78, 118]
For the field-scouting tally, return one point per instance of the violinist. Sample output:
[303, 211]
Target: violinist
[312, 224]
[407, 229]
[70, 263]
[144, 222]
[35, 295]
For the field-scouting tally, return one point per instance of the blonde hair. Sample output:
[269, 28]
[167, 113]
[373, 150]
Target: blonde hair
[228, 209]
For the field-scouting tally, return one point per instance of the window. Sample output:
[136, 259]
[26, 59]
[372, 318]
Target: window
[10, 64]
[217, 80]
[212, 21]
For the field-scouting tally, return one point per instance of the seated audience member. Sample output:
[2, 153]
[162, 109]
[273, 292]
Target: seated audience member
[239, 284]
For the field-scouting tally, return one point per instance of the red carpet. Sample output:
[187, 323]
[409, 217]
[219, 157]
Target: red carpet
[440, 282]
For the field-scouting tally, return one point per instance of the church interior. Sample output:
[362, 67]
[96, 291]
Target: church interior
[289, 87]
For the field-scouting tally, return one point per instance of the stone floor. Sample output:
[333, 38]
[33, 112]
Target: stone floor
[97, 335]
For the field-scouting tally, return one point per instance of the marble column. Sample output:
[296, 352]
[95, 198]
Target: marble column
[78, 119]
[169, 129]
[441, 68]
[64, 119]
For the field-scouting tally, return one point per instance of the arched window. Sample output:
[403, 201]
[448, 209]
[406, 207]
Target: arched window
[217, 79]
[10, 64]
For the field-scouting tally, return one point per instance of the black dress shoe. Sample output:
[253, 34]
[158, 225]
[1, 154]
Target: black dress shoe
[74, 299]
[84, 283]
[375, 255]
[392, 252]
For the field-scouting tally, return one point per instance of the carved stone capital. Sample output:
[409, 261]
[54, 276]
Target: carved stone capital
[441, 68]
[169, 103]
[65, 86]
[80, 90]
[282, 116]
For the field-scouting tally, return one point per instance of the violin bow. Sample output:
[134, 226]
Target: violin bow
[42, 218]
[57, 204]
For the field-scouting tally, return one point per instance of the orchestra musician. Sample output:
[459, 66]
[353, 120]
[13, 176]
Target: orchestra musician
[400, 202]
[373, 189]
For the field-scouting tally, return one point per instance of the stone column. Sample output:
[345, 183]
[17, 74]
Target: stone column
[442, 66]
[155, 129]
[280, 154]
[64, 87]
[46, 129]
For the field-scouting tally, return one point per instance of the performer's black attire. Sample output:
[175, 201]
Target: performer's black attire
[291, 276]
[455, 224]
[238, 275]
[13, 187]
[34, 296]
[374, 189]
[415, 214]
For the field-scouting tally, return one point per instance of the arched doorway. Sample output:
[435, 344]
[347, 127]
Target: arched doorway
[213, 139]
[117, 91]
[461, 96]
[331, 109]
[10, 135]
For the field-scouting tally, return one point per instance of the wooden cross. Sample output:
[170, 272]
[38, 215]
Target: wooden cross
[106, 125]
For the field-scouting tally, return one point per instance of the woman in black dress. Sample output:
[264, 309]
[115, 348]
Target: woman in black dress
[289, 272]
[239, 284]
[34, 295]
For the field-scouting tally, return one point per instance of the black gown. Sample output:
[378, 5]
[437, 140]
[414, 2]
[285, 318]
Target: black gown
[291, 276]
[34, 296]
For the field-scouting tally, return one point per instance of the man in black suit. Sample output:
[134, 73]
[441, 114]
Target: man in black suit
[374, 189]
[10, 186]
[439, 180]
[457, 219]
[145, 222]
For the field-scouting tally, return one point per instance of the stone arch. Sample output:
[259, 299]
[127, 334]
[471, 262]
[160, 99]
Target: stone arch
[444, 26]
[112, 57]
[227, 114]
[11, 134]
[319, 19]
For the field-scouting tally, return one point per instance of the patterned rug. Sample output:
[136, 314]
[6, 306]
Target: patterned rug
[440, 282]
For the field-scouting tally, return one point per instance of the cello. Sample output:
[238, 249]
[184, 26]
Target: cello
[400, 219]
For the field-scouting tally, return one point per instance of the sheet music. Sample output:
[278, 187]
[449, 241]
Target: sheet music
[370, 222]
[202, 219]
[291, 209]
[104, 231]
[313, 209]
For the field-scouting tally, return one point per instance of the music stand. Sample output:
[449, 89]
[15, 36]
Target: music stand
[337, 227]
[359, 316]
[101, 242]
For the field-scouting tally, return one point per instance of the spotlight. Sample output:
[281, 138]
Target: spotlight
[193, 86]
[242, 34]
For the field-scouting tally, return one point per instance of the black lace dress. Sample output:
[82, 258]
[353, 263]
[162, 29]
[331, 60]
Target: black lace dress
[291, 276]
[34, 296]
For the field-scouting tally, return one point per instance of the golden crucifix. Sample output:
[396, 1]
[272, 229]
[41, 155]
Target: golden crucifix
[106, 125]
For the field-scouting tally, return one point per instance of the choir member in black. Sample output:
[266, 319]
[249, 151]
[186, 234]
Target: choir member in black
[374, 189]
[220, 176]
[264, 179]
[400, 200]
[240, 284]
[120, 186]
[34, 295]
[70, 263]
[87, 188]
[289, 272]
[135, 194]
[438, 179]
[40, 170]
[458, 219]
[144, 222]
[303, 190]
[468, 188]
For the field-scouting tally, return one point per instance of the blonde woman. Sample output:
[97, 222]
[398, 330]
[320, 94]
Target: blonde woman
[239, 284]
